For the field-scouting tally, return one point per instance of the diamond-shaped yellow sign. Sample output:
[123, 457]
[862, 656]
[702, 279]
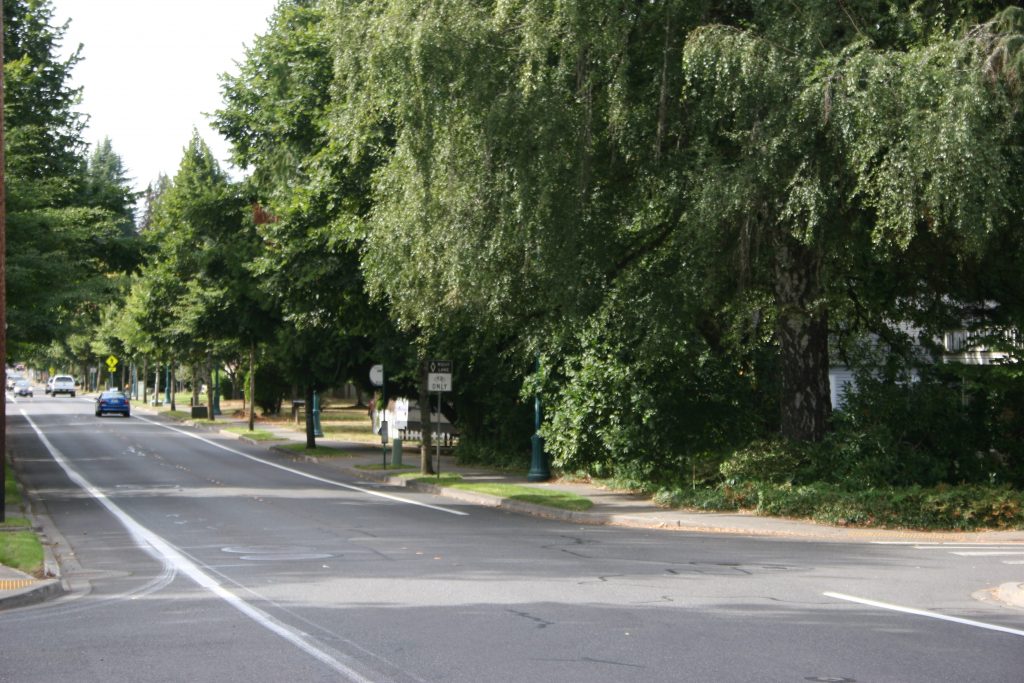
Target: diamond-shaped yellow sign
[112, 363]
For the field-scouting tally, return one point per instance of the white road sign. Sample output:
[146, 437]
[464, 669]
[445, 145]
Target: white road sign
[439, 381]
[439, 375]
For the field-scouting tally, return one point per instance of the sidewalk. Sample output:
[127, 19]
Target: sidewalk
[614, 508]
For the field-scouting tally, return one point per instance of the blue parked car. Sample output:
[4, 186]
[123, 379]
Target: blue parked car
[113, 402]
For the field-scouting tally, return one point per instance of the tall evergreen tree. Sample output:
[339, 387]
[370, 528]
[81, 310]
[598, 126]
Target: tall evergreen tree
[62, 245]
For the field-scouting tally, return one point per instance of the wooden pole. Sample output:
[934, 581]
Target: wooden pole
[3, 282]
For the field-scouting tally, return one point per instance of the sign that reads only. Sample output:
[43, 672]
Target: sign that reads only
[439, 375]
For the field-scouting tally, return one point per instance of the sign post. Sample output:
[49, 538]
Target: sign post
[439, 379]
[377, 380]
[111, 368]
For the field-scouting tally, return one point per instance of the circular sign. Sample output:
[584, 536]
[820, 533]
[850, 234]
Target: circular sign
[377, 375]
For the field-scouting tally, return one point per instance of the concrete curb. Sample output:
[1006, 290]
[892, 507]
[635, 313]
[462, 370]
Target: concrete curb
[39, 591]
[27, 590]
[801, 531]
[567, 516]
[34, 590]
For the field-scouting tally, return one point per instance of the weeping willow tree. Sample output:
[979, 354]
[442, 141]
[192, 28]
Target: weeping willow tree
[657, 196]
[533, 160]
[831, 143]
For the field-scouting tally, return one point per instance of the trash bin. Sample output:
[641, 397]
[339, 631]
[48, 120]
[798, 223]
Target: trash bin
[200, 412]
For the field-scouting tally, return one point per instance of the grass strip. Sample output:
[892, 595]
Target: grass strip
[12, 496]
[562, 500]
[319, 450]
[386, 467]
[21, 550]
[18, 522]
[350, 432]
[255, 435]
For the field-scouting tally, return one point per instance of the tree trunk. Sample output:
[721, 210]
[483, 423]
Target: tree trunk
[196, 379]
[802, 329]
[156, 385]
[310, 431]
[426, 464]
[172, 386]
[209, 389]
[145, 379]
[252, 386]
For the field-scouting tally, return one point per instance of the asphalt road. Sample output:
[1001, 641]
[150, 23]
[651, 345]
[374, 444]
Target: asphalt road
[198, 558]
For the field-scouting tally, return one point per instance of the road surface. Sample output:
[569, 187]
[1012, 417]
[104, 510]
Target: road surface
[197, 557]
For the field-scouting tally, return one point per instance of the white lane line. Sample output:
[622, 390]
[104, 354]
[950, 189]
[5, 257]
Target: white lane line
[923, 613]
[917, 545]
[313, 477]
[173, 558]
[988, 553]
[973, 546]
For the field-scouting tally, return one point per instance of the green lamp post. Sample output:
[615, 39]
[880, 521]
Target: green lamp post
[216, 392]
[539, 470]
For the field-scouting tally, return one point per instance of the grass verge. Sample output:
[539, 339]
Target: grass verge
[350, 431]
[562, 500]
[319, 450]
[21, 550]
[12, 496]
[380, 468]
[255, 435]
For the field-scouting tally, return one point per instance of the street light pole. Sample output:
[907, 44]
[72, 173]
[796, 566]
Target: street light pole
[539, 470]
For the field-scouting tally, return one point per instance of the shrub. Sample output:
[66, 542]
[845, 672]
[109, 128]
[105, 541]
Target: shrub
[968, 507]
[765, 461]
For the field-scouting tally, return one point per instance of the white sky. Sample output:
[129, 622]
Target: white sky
[150, 71]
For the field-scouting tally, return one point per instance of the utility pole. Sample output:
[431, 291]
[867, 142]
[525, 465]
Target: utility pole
[3, 283]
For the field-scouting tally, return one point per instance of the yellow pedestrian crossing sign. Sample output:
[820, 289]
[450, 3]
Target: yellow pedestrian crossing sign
[112, 363]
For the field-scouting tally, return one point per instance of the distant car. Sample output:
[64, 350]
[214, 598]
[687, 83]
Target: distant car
[12, 379]
[49, 385]
[113, 402]
[63, 384]
[23, 388]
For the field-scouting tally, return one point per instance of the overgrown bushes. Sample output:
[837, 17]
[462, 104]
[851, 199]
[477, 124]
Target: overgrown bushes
[966, 507]
[942, 451]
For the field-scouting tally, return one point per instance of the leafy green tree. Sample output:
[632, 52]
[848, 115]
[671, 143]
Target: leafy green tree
[549, 166]
[63, 243]
[275, 115]
[832, 145]
[537, 169]
[196, 295]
